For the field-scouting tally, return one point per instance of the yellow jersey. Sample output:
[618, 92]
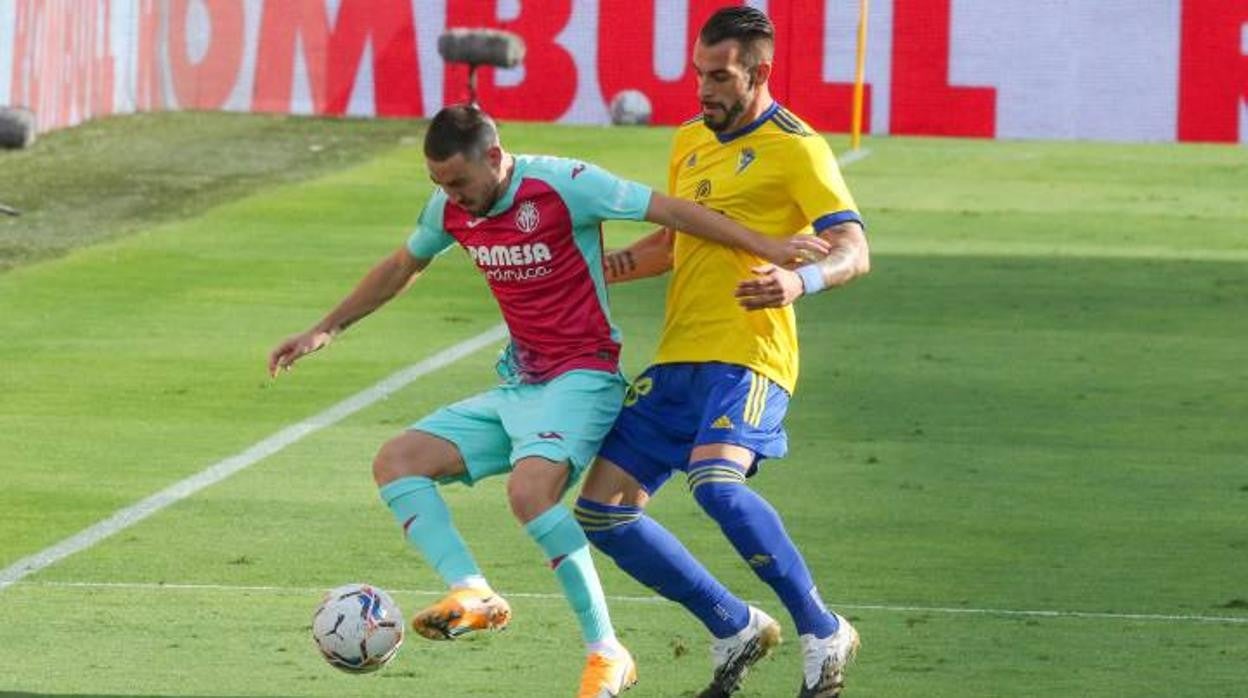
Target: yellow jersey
[776, 176]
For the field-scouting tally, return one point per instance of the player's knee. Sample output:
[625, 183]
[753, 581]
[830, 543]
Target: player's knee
[720, 500]
[398, 458]
[387, 465]
[719, 488]
[528, 499]
[535, 485]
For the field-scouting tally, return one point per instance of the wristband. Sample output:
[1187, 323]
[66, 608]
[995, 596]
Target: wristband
[812, 279]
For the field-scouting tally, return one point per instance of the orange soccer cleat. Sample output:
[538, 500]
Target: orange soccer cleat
[461, 612]
[607, 676]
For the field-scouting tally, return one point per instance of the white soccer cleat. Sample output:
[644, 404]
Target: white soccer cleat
[824, 661]
[733, 656]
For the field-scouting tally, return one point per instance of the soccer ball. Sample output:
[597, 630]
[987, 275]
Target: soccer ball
[630, 108]
[358, 628]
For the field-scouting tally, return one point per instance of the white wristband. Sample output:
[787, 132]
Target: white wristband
[812, 279]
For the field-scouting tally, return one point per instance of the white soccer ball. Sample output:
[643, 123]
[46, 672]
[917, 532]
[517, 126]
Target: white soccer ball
[358, 628]
[630, 108]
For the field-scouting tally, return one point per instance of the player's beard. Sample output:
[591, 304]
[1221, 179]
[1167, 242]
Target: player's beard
[731, 114]
[488, 201]
[496, 193]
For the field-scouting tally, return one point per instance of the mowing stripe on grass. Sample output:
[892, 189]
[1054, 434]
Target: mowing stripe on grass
[222, 469]
[1103, 615]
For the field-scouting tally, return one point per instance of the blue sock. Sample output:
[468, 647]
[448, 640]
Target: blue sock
[653, 556]
[427, 526]
[755, 530]
[565, 546]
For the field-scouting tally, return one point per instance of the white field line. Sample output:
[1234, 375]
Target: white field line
[219, 471]
[888, 608]
[849, 157]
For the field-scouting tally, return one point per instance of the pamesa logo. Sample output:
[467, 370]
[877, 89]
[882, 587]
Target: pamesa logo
[509, 255]
[512, 263]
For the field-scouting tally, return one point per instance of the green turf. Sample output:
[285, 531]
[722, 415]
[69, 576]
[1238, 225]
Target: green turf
[113, 176]
[1035, 403]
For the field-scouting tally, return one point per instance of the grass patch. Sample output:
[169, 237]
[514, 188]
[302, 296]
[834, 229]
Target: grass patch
[83, 185]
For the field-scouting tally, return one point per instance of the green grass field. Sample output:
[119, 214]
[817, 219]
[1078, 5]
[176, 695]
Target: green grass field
[1019, 453]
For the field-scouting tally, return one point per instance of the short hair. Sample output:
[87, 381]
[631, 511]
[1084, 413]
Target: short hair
[750, 27]
[460, 129]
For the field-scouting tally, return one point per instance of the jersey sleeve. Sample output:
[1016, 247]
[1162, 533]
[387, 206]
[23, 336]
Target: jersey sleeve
[430, 239]
[595, 195]
[817, 186]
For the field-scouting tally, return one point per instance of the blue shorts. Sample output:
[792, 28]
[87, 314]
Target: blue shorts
[563, 420]
[671, 408]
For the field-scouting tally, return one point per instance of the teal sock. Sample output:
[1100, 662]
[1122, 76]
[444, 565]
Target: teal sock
[426, 523]
[564, 543]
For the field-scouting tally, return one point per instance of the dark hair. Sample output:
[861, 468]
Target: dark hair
[460, 129]
[750, 27]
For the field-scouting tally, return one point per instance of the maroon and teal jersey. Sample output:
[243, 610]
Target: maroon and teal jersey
[540, 249]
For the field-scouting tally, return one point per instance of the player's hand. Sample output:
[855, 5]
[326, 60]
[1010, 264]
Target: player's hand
[796, 250]
[293, 348]
[771, 287]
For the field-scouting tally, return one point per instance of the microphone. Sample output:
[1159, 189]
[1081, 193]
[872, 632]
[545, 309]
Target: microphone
[477, 47]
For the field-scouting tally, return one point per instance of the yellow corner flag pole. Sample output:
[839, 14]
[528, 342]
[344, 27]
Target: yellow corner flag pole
[859, 76]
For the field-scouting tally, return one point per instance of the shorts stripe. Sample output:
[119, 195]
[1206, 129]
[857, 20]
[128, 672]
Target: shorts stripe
[748, 411]
[756, 402]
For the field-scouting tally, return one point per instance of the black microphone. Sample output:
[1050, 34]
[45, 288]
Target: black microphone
[478, 47]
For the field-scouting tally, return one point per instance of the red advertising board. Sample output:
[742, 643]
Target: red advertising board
[1115, 69]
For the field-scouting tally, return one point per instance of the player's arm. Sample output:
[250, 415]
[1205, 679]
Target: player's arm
[649, 256]
[848, 258]
[595, 195]
[384, 281]
[686, 216]
[815, 184]
[774, 287]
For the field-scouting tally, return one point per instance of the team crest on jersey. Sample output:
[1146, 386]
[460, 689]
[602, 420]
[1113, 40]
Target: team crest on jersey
[703, 190]
[747, 157]
[527, 217]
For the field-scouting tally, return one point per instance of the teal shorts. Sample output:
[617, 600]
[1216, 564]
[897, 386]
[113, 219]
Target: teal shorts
[565, 419]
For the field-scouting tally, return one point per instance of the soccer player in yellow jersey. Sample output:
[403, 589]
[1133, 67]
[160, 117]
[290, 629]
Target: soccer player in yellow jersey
[713, 402]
